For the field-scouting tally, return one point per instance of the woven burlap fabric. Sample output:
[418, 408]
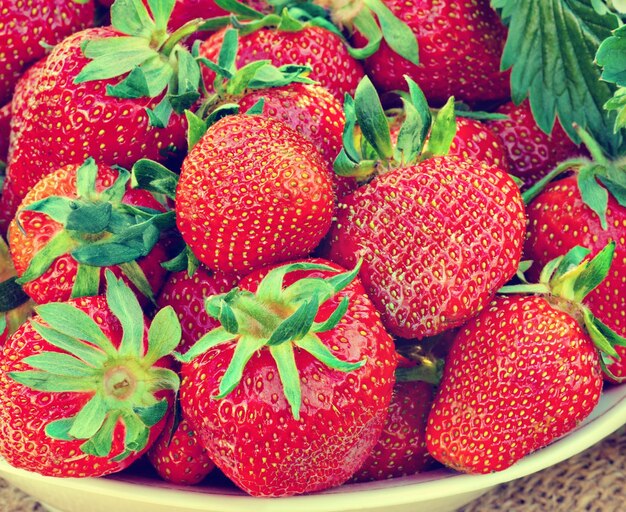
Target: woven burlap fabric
[593, 481]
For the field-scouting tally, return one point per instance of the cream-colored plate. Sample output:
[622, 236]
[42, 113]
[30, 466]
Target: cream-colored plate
[436, 491]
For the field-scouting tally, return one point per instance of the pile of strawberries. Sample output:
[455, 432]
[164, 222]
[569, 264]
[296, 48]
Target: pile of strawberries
[302, 243]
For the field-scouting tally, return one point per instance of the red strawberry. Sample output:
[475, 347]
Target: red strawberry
[460, 46]
[71, 401]
[291, 393]
[322, 50]
[559, 220]
[531, 152]
[77, 107]
[475, 141]
[401, 448]
[186, 295]
[5, 130]
[252, 192]
[78, 221]
[178, 456]
[524, 372]
[24, 27]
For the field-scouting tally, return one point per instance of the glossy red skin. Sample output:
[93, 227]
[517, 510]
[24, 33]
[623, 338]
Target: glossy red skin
[401, 448]
[332, 66]
[23, 26]
[437, 239]
[37, 229]
[253, 192]
[5, 129]
[518, 376]
[24, 413]
[342, 414]
[179, 457]
[531, 152]
[63, 123]
[312, 111]
[460, 47]
[186, 295]
[475, 141]
[558, 221]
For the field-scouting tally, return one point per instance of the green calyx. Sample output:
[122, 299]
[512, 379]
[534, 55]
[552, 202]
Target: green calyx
[122, 381]
[597, 178]
[565, 282]
[279, 319]
[99, 230]
[151, 58]
[370, 150]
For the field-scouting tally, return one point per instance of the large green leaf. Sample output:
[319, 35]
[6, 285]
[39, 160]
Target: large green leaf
[551, 48]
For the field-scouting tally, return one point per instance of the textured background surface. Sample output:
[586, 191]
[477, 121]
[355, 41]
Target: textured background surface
[593, 481]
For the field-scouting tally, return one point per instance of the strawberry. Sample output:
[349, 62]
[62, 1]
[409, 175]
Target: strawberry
[401, 448]
[475, 141]
[85, 385]
[524, 372]
[531, 152]
[24, 28]
[570, 211]
[80, 220]
[252, 192]
[322, 50]
[88, 101]
[178, 456]
[5, 130]
[438, 237]
[460, 47]
[290, 394]
[186, 294]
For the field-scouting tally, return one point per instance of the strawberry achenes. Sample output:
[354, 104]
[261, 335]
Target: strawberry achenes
[186, 294]
[179, 457]
[295, 396]
[252, 192]
[460, 46]
[475, 141]
[531, 153]
[80, 220]
[85, 385]
[518, 376]
[24, 27]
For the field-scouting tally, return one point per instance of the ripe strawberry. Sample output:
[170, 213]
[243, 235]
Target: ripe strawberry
[560, 219]
[5, 130]
[69, 385]
[271, 393]
[531, 153]
[322, 50]
[437, 238]
[107, 108]
[460, 46]
[186, 295]
[178, 456]
[522, 373]
[401, 448]
[252, 192]
[80, 220]
[23, 29]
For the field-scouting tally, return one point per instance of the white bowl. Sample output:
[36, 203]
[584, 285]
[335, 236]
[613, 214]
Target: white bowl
[435, 491]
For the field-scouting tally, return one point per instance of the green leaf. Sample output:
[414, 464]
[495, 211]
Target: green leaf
[365, 23]
[44, 381]
[371, 118]
[160, 116]
[115, 64]
[196, 128]
[137, 433]
[597, 336]
[244, 350]
[60, 244]
[335, 317]
[257, 108]
[101, 442]
[115, 193]
[83, 351]
[124, 305]
[573, 258]
[617, 190]
[611, 56]
[228, 52]
[551, 47]
[618, 104]
[154, 177]
[131, 17]
[56, 207]
[90, 418]
[152, 414]
[161, 12]
[163, 336]
[593, 194]
[594, 271]
[314, 346]
[86, 176]
[348, 136]
[297, 324]
[58, 363]
[289, 376]
[136, 275]
[211, 339]
[60, 429]
[89, 218]
[240, 9]
[396, 33]
[442, 131]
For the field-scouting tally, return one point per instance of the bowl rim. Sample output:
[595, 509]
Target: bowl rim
[608, 416]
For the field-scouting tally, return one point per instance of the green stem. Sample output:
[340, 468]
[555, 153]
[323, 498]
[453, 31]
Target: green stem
[538, 187]
[177, 36]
